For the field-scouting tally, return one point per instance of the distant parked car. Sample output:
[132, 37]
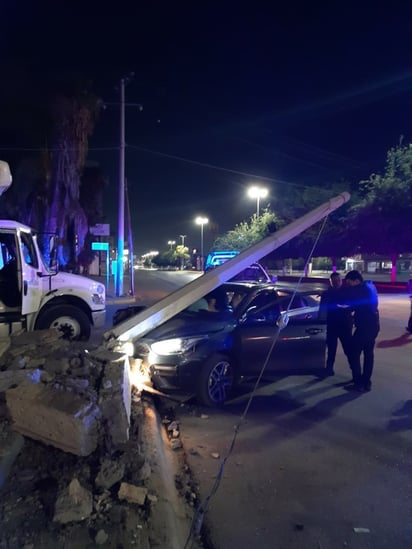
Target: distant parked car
[255, 272]
[207, 353]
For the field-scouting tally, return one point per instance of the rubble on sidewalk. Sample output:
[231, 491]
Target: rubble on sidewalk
[66, 394]
[87, 471]
[80, 419]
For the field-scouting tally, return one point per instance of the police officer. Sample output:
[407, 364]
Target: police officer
[362, 299]
[338, 321]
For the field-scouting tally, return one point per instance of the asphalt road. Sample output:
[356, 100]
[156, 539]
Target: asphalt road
[311, 462]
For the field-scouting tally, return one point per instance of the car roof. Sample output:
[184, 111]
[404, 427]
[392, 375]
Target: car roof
[306, 287]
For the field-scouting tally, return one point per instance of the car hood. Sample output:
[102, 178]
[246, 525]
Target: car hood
[192, 324]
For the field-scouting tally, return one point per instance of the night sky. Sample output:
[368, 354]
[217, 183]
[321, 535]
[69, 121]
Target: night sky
[301, 94]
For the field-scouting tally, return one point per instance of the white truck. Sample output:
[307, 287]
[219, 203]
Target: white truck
[32, 296]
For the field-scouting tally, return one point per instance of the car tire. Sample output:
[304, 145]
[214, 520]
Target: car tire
[216, 381]
[70, 320]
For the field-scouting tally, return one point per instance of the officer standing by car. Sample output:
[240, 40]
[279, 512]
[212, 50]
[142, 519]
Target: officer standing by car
[362, 298]
[338, 321]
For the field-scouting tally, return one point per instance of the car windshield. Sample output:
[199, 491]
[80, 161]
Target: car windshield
[239, 297]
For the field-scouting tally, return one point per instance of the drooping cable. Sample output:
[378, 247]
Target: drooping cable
[198, 517]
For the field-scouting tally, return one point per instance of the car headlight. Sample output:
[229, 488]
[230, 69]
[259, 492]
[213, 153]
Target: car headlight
[176, 346]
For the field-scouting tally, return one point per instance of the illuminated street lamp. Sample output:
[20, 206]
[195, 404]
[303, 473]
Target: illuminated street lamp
[171, 243]
[201, 221]
[258, 193]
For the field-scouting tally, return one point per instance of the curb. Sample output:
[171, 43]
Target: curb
[171, 518]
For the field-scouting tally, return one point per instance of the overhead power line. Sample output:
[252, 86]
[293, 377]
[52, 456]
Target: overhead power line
[178, 158]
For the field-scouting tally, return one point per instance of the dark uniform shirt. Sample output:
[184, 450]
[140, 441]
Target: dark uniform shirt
[334, 309]
[363, 301]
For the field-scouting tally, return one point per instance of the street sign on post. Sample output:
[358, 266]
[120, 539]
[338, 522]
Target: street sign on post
[100, 246]
[103, 247]
[100, 229]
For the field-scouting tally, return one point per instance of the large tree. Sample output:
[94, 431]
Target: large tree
[74, 115]
[381, 222]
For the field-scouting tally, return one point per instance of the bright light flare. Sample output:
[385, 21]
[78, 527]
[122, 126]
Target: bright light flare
[257, 192]
[139, 376]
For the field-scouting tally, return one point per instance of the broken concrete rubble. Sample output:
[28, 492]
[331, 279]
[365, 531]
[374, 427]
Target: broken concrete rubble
[11, 444]
[110, 473]
[10, 378]
[75, 399]
[115, 400]
[107, 496]
[52, 498]
[132, 494]
[55, 416]
[75, 503]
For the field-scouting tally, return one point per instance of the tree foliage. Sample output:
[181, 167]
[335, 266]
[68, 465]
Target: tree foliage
[381, 222]
[168, 258]
[247, 233]
[58, 121]
[291, 205]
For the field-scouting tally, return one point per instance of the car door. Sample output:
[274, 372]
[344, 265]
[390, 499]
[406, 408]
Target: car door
[299, 346]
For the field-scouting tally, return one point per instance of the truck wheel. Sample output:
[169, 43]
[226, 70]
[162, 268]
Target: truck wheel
[70, 320]
[215, 381]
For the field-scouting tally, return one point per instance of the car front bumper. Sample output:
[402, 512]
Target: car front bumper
[179, 374]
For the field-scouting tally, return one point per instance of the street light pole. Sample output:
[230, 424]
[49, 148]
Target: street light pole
[120, 228]
[201, 221]
[182, 257]
[258, 193]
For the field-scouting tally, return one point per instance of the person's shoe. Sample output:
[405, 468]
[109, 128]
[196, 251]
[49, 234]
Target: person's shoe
[367, 386]
[329, 371]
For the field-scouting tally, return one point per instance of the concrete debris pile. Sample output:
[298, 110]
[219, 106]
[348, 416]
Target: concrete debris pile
[70, 447]
[65, 394]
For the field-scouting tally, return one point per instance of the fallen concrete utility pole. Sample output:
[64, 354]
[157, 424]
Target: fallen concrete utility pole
[138, 325]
